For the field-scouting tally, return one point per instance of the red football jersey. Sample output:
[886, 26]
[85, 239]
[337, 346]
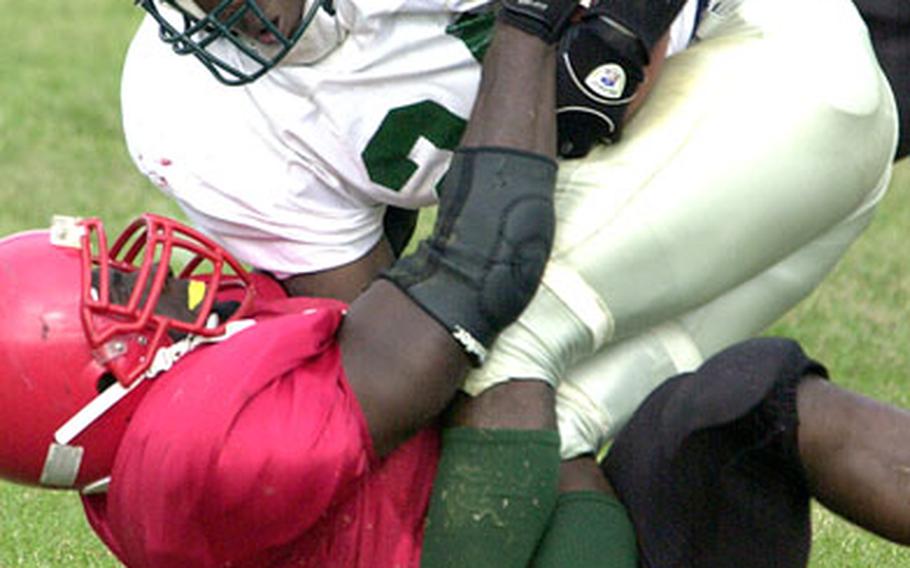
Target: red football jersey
[255, 452]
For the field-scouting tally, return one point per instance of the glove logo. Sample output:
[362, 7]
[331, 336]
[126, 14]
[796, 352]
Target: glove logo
[608, 81]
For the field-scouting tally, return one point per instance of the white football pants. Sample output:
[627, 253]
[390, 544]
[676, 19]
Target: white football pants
[757, 160]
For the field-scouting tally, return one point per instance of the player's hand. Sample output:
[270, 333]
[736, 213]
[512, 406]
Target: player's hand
[599, 68]
[546, 19]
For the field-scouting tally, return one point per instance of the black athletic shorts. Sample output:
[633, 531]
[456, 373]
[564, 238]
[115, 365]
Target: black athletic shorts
[708, 467]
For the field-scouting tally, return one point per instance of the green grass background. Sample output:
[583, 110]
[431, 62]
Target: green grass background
[61, 151]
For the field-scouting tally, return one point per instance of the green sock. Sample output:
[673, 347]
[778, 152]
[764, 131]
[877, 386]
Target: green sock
[588, 529]
[492, 499]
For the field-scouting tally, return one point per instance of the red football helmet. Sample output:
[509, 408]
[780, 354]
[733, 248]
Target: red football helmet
[73, 362]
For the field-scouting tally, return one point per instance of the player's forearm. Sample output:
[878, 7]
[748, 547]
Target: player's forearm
[403, 365]
[517, 97]
[481, 265]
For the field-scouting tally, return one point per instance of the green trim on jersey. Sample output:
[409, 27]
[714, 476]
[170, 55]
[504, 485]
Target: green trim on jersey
[475, 30]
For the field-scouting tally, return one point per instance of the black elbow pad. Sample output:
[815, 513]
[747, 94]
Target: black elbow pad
[493, 234]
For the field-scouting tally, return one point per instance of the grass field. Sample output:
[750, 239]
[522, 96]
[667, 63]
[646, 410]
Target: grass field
[61, 152]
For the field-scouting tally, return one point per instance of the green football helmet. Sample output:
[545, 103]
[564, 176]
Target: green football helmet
[190, 30]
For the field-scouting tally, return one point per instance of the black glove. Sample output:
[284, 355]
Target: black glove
[601, 62]
[598, 71]
[546, 19]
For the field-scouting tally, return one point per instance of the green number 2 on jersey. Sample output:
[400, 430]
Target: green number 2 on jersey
[389, 156]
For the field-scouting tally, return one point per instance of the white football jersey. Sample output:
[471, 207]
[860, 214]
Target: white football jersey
[292, 173]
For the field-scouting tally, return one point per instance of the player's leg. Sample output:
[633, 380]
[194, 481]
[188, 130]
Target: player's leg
[589, 526]
[856, 456]
[496, 483]
[718, 178]
[598, 395]
[721, 176]
[721, 462]
[708, 467]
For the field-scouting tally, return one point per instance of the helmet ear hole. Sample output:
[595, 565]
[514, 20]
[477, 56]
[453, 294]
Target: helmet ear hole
[105, 381]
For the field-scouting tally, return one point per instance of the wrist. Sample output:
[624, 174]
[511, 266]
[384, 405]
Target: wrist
[513, 405]
[544, 19]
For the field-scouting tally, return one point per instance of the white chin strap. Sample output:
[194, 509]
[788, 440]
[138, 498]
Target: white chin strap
[63, 461]
[61, 466]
